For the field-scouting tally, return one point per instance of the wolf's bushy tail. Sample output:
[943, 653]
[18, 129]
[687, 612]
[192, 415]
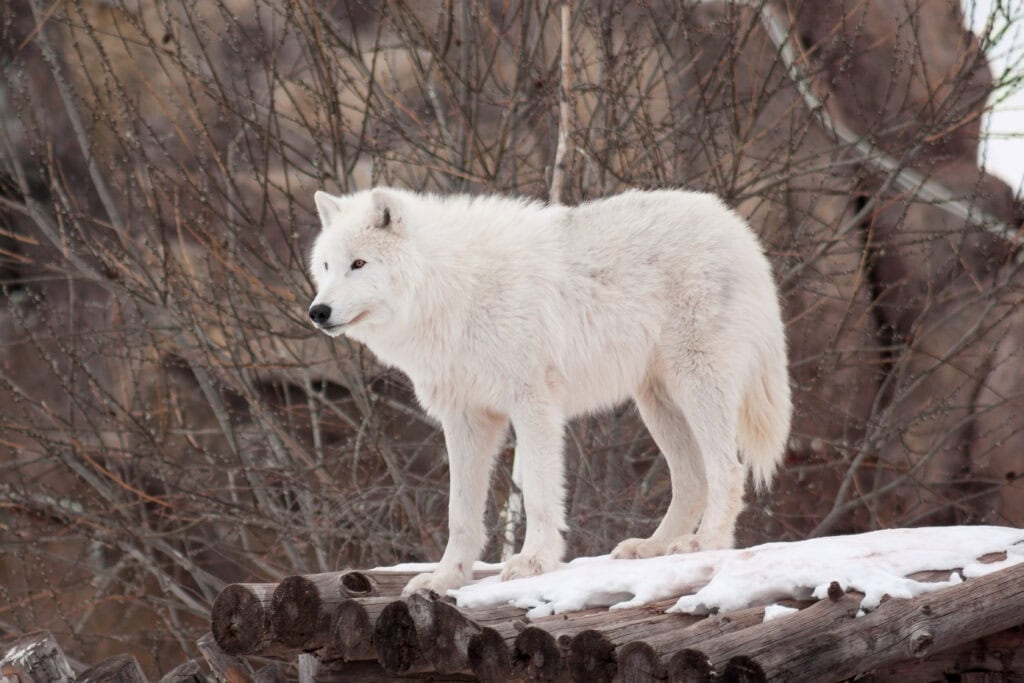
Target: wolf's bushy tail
[765, 415]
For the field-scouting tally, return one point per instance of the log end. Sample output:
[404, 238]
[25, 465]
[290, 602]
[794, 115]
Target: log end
[743, 670]
[238, 620]
[639, 662]
[537, 655]
[295, 611]
[489, 658]
[452, 633]
[690, 666]
[356, 584]
[394, 637]
[351, 633]
[592, 657]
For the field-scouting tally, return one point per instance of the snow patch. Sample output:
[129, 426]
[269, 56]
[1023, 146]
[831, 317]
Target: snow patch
[772, 612]
[875, 563]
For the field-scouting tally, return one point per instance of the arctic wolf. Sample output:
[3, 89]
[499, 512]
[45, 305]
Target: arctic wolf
[509, 311]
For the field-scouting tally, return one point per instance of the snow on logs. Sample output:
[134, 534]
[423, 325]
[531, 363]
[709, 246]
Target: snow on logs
[358, 617]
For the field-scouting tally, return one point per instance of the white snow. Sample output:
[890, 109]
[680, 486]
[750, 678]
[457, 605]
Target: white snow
[875, 563]
[772, 612]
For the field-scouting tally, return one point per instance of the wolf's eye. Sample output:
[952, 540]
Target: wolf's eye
[358, 263]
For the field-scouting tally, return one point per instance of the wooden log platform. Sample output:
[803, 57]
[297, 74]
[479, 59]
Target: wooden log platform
[361, 624]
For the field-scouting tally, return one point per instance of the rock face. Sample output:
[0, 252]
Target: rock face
[155, 182]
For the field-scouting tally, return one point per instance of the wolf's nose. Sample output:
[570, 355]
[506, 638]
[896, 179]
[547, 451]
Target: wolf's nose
[320, 314]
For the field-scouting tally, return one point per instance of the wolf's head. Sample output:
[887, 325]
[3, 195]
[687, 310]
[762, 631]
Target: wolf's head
[356, 262]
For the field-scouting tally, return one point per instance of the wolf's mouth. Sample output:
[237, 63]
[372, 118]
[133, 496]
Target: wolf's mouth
[356, 319]
[337, 328]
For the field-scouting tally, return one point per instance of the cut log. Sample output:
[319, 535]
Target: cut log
[117, 669]
[537, 656]
[638, 661]
[352, 633]
[271, 673]
[489, 657]
[301, 608]
[710, 653]
[240, 618]
[897, 630]
[999, 657]
[448, 650]
[226, 668]
[401, 632]
[592, 658]
[184, 673]
[36, 657]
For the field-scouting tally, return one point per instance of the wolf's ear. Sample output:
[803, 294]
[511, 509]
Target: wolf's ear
[328, 206]
[387, 211]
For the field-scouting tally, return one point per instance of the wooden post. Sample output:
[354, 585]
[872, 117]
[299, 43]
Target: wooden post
[36, 658]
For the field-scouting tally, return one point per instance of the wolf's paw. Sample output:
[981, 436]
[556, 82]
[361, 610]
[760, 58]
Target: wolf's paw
[639, 548]
[440, 582]
[528, 564]
[694, 543]
[687, 543]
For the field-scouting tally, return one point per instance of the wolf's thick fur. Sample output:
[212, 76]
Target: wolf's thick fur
[503, 310]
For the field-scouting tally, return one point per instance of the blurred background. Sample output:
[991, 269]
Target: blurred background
[171, 423]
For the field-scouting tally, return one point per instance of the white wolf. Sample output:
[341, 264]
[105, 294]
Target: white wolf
[504, 310]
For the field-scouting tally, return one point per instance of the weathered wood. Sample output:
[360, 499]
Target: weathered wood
[538, 656]
[271, 673]
[710, 653]
[301, 608]
[184, 673]
[352, 633]
[489, 657]
[897, 630]
[454, 628]
[401, 631]
[642, 657]
[36, 658]
[1000, 656]
[592, 658]
[240, 618]
[593, 652]
[638, 661]
[117, 669]
[309, 667]
[225, 667]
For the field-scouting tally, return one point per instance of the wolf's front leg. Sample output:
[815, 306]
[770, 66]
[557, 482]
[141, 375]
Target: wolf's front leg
[472, 439]
[539, 447]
